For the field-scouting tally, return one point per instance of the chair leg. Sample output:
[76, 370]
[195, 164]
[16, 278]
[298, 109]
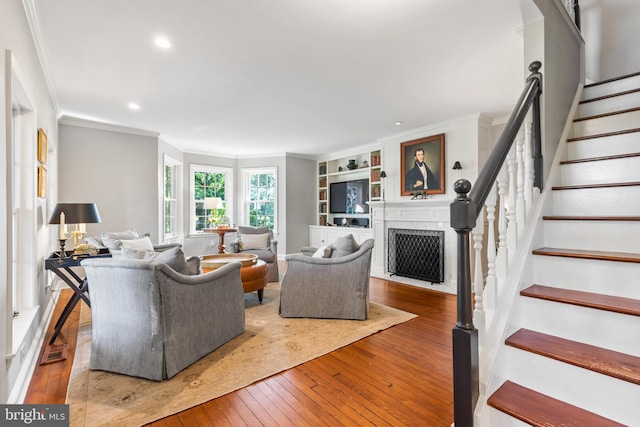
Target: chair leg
[260, 295]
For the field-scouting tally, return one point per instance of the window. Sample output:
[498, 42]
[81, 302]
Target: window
[210, 181]
[261, 197]
[171, 196]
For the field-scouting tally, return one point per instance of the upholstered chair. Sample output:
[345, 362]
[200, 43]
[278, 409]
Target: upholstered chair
[151, 319]
[258, 241]
[330, 282]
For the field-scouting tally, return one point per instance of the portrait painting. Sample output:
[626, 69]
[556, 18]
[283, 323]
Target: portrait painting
[422, 166]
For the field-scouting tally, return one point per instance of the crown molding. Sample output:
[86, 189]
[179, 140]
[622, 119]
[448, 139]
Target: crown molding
[31, 12]
[91, 124]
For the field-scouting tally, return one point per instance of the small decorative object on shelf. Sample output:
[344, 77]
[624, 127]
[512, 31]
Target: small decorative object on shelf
[365, 164]
[340, 169]
[352, 165]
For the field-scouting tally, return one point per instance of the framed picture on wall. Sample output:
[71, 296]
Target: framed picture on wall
[422, 166]
[42, 146]
[42, 181]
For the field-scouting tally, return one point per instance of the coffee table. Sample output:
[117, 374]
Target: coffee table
[253, 272]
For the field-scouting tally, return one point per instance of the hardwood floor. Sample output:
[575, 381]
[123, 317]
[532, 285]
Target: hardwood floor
[401, 376]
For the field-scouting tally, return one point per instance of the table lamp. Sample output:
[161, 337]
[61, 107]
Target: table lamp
[73, 213]
[212, 204]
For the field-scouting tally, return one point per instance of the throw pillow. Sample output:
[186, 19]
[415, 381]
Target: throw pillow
[113, 240]
[94, 240]
[254, 241]
[174, 258]
[137, 254]
[323, 252]
[344, 245]
[143, 244]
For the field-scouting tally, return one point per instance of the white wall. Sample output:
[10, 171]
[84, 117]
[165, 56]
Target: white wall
[115, 170]
[16, 36]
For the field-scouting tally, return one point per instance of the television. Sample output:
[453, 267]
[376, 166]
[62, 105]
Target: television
[349, 197]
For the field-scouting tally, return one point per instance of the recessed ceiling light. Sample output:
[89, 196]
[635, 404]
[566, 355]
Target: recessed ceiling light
[399, 123]
[133, 106]
[162, 42]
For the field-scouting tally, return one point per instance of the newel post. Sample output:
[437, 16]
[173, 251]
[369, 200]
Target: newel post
[466, 383]
[536, 131]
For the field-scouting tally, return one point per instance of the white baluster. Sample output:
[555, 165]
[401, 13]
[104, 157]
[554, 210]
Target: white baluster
[501, 259]
[512, 225]
[491, 290]
[478, 282]
[528, 167]
[520, 207]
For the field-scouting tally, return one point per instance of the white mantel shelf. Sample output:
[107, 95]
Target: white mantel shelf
[422, 214]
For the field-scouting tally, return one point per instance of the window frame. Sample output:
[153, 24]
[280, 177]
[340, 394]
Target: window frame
[176, 166]
[228, 192]
[247, 173]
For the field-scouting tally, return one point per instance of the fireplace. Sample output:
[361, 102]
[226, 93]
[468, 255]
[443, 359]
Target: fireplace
[418, 254]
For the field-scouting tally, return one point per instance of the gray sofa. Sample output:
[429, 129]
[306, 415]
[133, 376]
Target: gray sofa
[151, 321]
[329, 288]
[268, 253]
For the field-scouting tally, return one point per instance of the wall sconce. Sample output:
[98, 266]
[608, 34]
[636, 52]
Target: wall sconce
[73, 213]
[383, 175]
[457, 167]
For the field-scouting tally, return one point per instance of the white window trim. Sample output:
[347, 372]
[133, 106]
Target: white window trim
[177, 165]
[228, 191]
[244, 211]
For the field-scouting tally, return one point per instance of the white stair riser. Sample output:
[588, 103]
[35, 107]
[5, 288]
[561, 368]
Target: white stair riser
[617, 201]
[612, 236]
[500, 419]
[605, 124]
[611, 87]
[604, 146]
[601, 394]
[625, 169]
[582, 324]
[609, 105]
[605, 277]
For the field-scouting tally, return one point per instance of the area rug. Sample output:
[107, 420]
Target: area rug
[269, 345]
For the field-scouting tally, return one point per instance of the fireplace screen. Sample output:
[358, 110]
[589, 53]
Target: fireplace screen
[418, 254]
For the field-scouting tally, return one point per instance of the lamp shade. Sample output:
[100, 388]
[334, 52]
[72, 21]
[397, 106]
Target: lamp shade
[76, 213]
[212, 202]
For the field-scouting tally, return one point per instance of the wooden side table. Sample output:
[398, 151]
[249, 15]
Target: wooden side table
[220, 232]
[253, 273]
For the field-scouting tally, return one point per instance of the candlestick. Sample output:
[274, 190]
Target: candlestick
[63, 227]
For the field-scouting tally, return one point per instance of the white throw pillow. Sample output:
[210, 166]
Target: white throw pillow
[143, 244]
[323, 252]
[254, 241]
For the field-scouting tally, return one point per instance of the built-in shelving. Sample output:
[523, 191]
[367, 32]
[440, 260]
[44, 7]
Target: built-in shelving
[367, 165]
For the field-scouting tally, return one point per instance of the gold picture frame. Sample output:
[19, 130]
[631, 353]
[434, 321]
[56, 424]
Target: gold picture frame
[42, 181]
[42, 146]
[432, 152]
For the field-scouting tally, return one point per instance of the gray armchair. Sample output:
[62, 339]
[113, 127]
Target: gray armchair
[328, 288]
[267, 251]
[151, 321]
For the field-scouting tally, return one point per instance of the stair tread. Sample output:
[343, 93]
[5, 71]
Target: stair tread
[600, 158]
[613, 79]
[584, 299]
[607, 362]
[611, 95]
[603, 135]
[589, 254]
[612, 113]
[589, 218]
[606, 185]
[538, 409]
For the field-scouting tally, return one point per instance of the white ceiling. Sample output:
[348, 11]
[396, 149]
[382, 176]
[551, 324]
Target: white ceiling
[252, 77]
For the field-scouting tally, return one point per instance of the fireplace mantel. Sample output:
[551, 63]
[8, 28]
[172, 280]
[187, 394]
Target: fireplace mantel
[423, 214]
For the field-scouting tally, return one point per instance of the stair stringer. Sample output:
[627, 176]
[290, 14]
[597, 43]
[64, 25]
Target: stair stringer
[506, 319]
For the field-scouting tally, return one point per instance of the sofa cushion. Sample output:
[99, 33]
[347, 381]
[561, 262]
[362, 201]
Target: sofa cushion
[323, 252]
[344, 245]
[143, 244]
[113, 240]
[254, 241]
[94, 240]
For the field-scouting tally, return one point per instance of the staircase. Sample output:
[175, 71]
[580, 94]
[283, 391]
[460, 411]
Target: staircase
[572, 354]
